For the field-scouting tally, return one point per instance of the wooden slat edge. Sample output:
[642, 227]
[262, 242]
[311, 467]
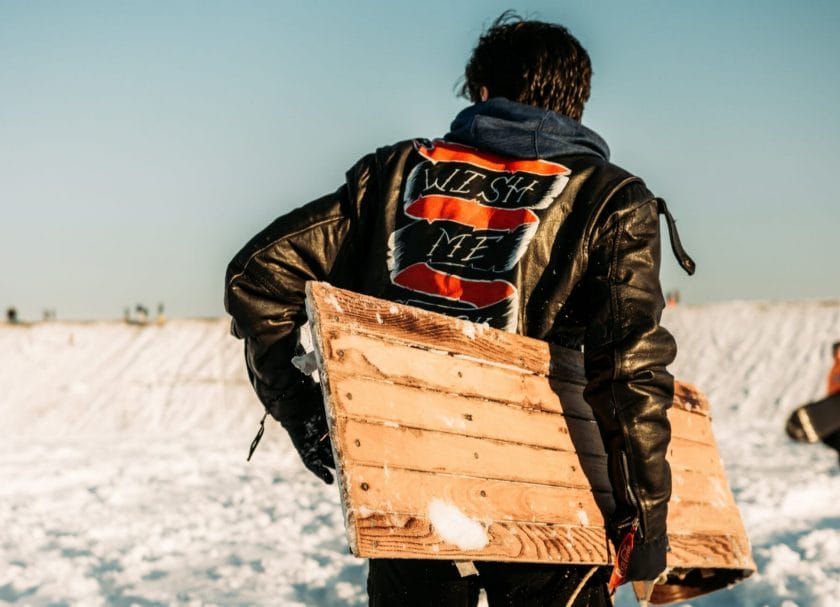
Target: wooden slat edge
[402, 536]
[312, 303]
[395, 536]
[438, 330]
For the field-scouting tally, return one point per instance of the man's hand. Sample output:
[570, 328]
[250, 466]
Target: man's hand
[311, 438]
[647, 561]
[636, 561]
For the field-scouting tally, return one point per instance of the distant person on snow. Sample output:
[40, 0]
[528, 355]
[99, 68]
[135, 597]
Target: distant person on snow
[833, 439]
[515, 218]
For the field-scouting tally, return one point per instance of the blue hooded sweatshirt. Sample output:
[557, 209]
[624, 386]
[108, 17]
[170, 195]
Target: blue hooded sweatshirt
[523, 131]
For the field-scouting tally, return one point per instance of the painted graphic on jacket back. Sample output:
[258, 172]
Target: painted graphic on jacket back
[466, 219]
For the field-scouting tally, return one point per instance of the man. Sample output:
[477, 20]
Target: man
[514, 219]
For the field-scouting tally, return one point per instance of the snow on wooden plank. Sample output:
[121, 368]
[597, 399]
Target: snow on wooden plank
[403, 536]
[454, 440]
[406, 536]
[375, 490]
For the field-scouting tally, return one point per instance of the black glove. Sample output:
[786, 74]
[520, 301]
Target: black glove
[311, 438]
[636, 561]
[647, 561]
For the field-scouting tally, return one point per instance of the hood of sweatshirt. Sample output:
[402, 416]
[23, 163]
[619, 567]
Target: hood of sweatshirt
[523, 131]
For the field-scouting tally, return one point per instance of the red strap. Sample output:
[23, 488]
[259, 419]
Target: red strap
[622, 560]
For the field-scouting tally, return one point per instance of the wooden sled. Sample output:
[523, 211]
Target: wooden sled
[457, 441]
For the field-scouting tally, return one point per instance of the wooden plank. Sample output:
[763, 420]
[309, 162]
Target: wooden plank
[398, 536]
[360, 396]
[408, 448]
[346, 310]
[699, 486]
[402, 536]
[374, 490]
[371, 443]
[689, 398]
[703, 551]
[413, 407]
[426, 409]
[362, 356]
[409, 491]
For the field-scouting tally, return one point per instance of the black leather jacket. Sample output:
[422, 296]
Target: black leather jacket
[586, 277]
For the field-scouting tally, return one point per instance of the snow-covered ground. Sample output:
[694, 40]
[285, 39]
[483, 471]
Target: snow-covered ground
[123, 478]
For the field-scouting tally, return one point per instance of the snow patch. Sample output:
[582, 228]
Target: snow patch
[455, 527]
[78, 388]
[306, 363]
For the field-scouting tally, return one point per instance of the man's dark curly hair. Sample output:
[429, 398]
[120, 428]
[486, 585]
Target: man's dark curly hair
[532, 62]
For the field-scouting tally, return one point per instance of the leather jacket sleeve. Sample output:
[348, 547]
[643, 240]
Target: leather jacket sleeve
[626, 353]
[265, 291]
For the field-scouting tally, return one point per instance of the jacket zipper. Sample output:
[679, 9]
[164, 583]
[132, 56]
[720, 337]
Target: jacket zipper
[634, 500]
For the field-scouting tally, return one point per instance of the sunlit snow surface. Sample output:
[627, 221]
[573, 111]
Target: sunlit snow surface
[123, 480]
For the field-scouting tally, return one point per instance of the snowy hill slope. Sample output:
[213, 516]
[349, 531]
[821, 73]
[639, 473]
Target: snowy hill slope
[123, 481]
[76, 379]
[755, 361]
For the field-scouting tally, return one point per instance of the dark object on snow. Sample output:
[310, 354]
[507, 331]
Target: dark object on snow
[11, 315]
[816, 421]
[439, 582]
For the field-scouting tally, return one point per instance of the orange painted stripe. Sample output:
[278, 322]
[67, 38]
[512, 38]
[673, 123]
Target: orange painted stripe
[480, 293]
[469, 213]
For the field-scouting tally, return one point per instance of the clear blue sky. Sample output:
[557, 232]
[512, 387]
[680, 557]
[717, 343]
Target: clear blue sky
[142, 143]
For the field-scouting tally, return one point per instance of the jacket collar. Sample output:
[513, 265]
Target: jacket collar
[523, 131]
